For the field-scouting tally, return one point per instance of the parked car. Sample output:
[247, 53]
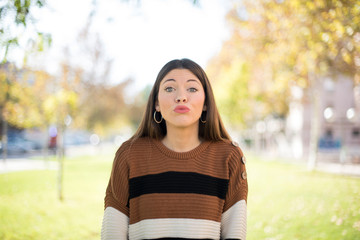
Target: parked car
[18, 145]
[14, 148]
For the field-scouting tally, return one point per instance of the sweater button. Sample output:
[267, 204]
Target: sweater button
[243, 159]
[244, 175]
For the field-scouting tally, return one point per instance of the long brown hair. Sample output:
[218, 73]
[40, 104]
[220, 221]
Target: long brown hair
[212, 130]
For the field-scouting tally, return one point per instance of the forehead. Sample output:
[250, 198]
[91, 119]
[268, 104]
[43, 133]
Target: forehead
[180, 75]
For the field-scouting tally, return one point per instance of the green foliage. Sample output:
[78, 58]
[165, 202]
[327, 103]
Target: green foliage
[35, 99]
[287, 43]
[102, 108]
[230, 89]
[284, 202]
[15, 18]
[24, 96]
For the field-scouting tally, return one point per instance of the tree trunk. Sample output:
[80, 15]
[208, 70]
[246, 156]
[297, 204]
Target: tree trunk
[60, 156]
[4, 140]
[357, 101]
[315, 124]
[45, 148]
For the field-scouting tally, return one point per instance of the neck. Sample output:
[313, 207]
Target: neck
[182, 139]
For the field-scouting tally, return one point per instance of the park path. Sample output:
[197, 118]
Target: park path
[338, 168]
[23, 164]
[37, 162]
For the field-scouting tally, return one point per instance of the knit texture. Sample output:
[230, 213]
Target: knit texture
[200, 194]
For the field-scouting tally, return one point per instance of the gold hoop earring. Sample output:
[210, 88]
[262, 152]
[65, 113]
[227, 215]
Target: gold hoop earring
[155, 118]
[203, 121]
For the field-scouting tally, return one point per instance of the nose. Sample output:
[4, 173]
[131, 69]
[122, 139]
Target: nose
[181, 99]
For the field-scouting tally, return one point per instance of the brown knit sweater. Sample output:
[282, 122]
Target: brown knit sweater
[200, 194]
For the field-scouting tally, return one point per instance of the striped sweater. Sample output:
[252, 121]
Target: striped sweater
[156, 193]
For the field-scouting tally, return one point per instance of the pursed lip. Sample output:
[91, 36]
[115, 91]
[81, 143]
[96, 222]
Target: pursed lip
[181, 109]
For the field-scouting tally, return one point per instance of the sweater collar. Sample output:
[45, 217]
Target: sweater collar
[180, 155]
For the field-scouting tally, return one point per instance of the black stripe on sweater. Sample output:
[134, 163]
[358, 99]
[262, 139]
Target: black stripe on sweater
[178, 182]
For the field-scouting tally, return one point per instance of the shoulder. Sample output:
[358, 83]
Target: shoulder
[230, 147]
[138, 147]
[226, 150]
[131, 144]
[121, 154]
[232, 151]
[124, 147]
[127, 150]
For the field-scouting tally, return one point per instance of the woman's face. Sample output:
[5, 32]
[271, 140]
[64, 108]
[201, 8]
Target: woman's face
[181, 99]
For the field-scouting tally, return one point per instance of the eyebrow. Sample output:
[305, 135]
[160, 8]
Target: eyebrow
[173, 80]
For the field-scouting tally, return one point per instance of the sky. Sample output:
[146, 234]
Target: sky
[138, 38]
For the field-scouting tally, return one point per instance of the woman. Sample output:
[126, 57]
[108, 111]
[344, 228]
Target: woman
[179, 176]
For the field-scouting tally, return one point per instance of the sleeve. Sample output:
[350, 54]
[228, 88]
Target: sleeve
[114, 225]
[116, 215]
[234, 217]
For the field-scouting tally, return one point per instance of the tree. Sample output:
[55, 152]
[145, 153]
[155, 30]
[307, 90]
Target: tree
[18, 100]
[16, 19]
[294, 42]
[16, 25]
[101, 103]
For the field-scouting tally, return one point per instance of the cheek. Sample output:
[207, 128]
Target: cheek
[164, 102]
[201, 101]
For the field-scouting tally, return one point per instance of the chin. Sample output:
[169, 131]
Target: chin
[184, 124]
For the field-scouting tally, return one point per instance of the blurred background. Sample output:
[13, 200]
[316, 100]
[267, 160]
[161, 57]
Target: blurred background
[75, 77]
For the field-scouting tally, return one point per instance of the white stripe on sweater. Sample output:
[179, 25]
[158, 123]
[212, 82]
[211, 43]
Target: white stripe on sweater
[114, 225]
[233, 221]
[174, 227]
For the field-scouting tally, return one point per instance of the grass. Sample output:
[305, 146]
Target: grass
[285, 202]
[288, 202]
[30, 209]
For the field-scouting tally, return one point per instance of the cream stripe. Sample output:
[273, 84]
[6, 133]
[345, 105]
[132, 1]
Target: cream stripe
[174, 227]
[233, 221]
[114, 225]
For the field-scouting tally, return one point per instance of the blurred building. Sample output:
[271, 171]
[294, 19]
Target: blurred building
[339, 121]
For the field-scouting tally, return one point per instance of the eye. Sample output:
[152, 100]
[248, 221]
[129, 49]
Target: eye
[192, 89]
[169, 89]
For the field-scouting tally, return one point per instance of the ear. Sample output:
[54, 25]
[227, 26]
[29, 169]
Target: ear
[157, 107]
